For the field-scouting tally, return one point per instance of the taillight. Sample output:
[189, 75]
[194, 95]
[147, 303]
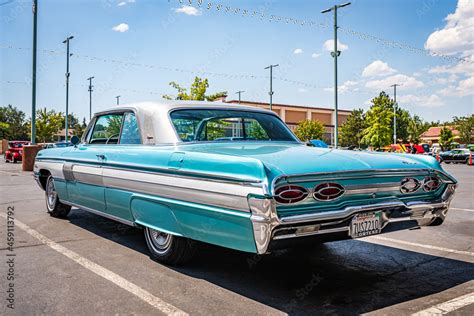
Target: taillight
[409, 185]
[431, 184]
[288, 194]
[328, 191]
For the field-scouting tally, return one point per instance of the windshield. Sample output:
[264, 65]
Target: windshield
[194, 125]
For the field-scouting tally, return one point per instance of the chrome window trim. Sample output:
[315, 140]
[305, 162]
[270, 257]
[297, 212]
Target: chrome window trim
[85, 139]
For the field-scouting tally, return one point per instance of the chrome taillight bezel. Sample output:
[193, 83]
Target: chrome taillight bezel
[319, 195]
[407, 190]
[281, 190]
[428, 181]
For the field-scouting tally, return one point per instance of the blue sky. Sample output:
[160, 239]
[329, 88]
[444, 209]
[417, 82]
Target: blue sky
[135, 48]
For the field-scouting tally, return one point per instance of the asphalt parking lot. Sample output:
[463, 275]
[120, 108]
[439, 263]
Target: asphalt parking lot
[90, 265]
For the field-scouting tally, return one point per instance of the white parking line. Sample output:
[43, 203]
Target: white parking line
[103, 272]
[461, 209]
[408, 243]
[448, 306]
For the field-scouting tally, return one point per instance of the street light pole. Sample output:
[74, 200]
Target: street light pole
[90, 97]
[33, 83]
[239, 93]
[271, 84]
[395, 112]
[66, 41]
[118, 99]
[335, 54]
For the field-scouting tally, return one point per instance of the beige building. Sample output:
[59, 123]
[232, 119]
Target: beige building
[293, 114]
[432, 135]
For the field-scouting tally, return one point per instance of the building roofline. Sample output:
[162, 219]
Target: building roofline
[243, 102]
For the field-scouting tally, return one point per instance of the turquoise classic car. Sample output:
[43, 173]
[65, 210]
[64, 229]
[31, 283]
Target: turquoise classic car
[236, 177]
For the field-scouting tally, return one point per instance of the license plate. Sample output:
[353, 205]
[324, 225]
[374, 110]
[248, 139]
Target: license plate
[365, 224]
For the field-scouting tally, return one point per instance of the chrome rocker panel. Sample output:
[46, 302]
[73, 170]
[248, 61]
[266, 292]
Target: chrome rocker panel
[268, 228]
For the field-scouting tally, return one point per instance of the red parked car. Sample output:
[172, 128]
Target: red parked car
[14, 152]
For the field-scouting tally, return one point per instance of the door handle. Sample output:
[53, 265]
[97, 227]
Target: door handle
[101, 157]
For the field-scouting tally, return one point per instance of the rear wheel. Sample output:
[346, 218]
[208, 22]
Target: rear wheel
[53, 205]
[167, 248]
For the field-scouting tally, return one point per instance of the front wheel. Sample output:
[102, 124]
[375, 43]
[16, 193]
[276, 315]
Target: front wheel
[167, 248]
[53, 205]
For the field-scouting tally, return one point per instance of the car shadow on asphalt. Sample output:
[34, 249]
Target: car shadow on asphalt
[343, 277]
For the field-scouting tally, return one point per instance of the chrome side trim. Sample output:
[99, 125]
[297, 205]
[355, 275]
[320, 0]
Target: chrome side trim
[229, 196]
[67, 171]
[88, 174]
[54, 167]
[163, 171]
[100, 213]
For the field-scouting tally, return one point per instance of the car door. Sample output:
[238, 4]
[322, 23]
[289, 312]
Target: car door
[457, 154]
[127, 151]
[83, 166]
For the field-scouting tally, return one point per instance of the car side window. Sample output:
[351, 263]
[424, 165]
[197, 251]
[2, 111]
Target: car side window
[107, 129]
[130, 131]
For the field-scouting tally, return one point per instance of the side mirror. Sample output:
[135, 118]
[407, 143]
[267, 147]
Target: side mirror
[75, 140]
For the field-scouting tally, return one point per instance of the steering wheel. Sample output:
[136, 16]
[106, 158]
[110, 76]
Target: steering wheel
[111, 136]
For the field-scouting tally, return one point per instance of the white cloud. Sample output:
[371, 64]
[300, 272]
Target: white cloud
[466, 67]
[315, 55]
[302, 90]
[349, 85]
[445, 80]
[464, 88]
[122, 3]
[329, 46]
[421, 100]
[377, 68]
[298, 51]
[406, 82]
[122, 27]
[188, 10]
[456, 36]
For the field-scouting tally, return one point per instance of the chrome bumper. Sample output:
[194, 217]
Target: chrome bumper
[268, 227]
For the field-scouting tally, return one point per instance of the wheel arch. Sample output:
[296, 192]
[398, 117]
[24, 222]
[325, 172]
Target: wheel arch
[43, 175]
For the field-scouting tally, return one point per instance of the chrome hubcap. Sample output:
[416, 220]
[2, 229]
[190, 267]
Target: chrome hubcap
[161, 241]
[51, 194]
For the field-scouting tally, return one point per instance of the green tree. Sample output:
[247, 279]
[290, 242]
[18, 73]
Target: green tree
[196, 92]
[465, 126]
[379, 117]
[416, 127]
[48, 123]
[446, 137]
[309, 129]
[4, 129]
[352, 131]
[403, 124]
[16, 127]
[255, 130]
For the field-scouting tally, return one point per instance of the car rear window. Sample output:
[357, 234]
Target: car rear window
[196, 125]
